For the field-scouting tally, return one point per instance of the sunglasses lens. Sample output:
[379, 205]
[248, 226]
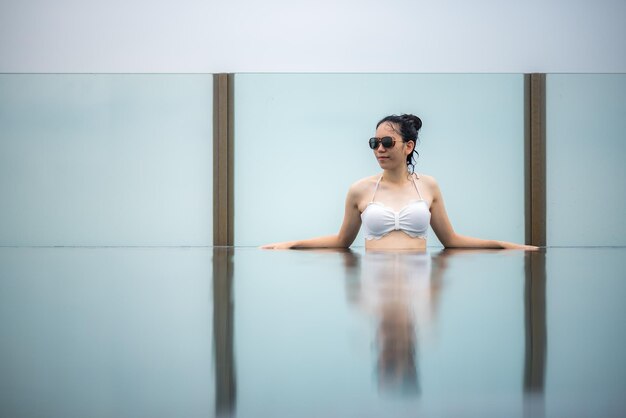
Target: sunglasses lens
[387, 142]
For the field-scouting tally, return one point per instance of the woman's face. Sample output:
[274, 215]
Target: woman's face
[390, 158]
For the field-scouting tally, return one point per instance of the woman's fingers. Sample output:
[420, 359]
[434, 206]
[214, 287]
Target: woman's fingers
[277, 246]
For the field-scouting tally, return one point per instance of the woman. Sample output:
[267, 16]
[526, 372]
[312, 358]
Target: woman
[396, 207]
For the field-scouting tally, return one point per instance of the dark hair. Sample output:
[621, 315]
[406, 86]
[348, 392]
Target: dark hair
[407, 126]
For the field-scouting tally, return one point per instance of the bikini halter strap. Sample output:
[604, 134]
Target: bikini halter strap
[415, 184]
[412, 181]
[376, 188]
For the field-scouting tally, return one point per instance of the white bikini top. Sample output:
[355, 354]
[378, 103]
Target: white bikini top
[379, 220]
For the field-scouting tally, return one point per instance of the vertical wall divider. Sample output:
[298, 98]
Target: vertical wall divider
[535, 158]
[223, 159]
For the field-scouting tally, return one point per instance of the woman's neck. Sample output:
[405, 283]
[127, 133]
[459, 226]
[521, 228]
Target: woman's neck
[396, 176]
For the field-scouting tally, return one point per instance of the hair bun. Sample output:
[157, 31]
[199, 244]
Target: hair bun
[417, 122]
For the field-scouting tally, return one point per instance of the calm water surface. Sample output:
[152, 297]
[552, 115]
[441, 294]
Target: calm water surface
[203, 332]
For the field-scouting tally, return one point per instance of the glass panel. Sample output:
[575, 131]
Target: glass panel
[97, 159]
[301, 140]
[586, 174]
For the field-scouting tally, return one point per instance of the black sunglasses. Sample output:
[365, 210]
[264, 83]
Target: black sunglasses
[387, 141]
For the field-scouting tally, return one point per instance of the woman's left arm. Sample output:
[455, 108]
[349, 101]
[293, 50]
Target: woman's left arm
[442, 227]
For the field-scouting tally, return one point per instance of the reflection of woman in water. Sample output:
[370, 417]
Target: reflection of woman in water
[397, 206]
[400, 291]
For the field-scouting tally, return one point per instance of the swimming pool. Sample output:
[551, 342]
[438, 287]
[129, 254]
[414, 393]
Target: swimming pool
[245, 332]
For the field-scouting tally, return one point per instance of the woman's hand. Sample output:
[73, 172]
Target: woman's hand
[279, 245]
[513, 246]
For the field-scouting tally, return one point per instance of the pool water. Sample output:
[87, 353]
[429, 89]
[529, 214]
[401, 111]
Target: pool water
[190, 332]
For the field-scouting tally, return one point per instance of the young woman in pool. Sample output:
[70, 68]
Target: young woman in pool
[395, 208]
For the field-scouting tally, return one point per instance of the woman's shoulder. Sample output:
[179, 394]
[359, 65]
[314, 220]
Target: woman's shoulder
[366, 182]
[427, 180]
[363, 185]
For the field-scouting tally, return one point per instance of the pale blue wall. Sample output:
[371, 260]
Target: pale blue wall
[126, 159]
[301, 140]
[586, 151]
[105, 159]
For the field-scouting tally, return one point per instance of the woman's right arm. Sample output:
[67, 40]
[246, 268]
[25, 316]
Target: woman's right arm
[347, 233]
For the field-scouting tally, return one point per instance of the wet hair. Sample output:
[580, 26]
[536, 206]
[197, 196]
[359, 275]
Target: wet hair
[407, 126]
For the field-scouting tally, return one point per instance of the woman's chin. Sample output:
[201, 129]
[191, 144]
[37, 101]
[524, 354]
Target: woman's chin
[386, 164]
[383, 162]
